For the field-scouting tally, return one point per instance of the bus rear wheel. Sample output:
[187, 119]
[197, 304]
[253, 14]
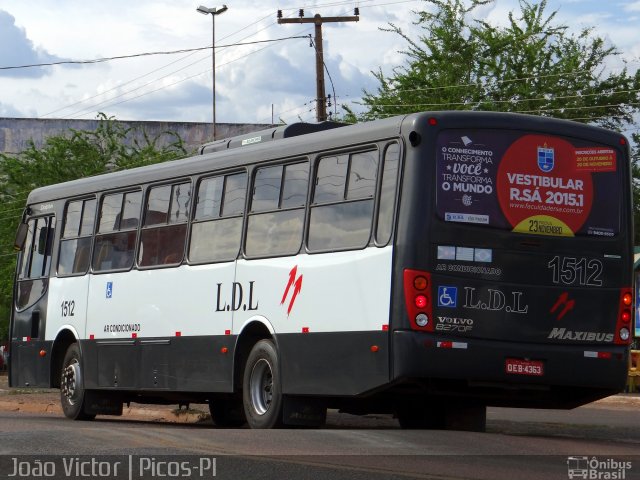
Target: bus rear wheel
[72, 393]
[262, 390]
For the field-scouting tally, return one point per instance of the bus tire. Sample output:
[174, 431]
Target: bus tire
[72, 393]
[227, 412]
[262, 390]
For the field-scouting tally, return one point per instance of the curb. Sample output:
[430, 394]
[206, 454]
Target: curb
[620, 400]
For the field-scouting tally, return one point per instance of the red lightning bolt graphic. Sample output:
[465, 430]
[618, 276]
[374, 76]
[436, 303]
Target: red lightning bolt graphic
[297, 286]
[563, 300]
[296, 291]
[292, 276]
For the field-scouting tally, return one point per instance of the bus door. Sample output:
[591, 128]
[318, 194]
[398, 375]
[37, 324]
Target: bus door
[30, 304]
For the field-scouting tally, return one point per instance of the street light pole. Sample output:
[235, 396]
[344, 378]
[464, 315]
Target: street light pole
[213, 11]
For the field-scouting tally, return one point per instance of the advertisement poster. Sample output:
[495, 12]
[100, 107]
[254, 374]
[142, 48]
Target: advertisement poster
[528, 183]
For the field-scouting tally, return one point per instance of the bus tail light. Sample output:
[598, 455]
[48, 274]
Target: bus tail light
[623, 327]
[417, 295]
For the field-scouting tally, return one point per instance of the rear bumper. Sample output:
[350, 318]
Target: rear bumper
[471, 367]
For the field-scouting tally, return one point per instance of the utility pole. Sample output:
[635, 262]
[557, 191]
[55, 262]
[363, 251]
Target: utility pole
[318, 20]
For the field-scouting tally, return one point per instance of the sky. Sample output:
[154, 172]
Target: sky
[255, 83]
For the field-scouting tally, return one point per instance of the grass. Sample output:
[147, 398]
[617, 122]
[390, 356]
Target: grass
[27, 391]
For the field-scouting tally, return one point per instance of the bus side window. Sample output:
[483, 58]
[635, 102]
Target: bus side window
[388, 193]
[165, 225]
[217, 221]
[77, 232]
[342, 207]
[117, 228]
[276, 217]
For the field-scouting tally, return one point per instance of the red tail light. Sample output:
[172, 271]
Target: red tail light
[625, 309]
[417, 294]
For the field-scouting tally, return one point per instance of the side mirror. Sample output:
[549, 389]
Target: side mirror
[21, 237]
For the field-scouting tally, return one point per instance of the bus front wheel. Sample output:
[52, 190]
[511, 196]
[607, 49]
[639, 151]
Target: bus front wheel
[262, 390]
[72, 393]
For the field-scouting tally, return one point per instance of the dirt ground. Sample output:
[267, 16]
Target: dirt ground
[48, 401]
[38, 400]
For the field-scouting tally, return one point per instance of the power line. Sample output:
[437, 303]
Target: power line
[495, 82]
[562, 109]
[512, 101]
[91, 109]
[373, 116]
[131, 81]
[108, 103]
[281, 113]
[326, 5]
[270, 15]
[370, 3]
[168, 65]
[145, 54]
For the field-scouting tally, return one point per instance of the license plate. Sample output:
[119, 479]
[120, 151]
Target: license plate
[516, 366]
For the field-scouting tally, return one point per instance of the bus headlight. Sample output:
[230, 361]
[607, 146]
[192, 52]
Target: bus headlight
[422, 320]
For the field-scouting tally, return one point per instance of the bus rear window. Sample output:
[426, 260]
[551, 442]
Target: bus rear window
[528, 183]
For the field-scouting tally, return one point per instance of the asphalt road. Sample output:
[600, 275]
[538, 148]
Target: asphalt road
[519, 444]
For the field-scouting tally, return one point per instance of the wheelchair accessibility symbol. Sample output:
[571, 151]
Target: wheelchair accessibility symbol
[448, 297]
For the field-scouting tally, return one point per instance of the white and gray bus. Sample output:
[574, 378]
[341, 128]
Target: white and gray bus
[427, 265]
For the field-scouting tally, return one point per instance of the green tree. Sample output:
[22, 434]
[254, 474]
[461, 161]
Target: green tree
[533, 65]
[635, 169]
[111, 146]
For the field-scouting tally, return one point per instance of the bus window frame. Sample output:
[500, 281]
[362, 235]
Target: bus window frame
[100, 199]
[44, 278]
[78, 235]
[396, 193]
[352, 150]
[283, 163]
[224, 173]
[143, 218]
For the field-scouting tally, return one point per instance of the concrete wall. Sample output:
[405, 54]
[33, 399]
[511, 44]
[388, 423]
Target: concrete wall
[15, 133]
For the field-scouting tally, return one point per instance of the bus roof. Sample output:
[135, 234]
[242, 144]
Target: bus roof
[297, 143]
[223, 159]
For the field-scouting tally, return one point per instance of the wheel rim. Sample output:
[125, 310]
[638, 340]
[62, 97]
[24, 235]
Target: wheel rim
[70, 383]
[261, 386]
